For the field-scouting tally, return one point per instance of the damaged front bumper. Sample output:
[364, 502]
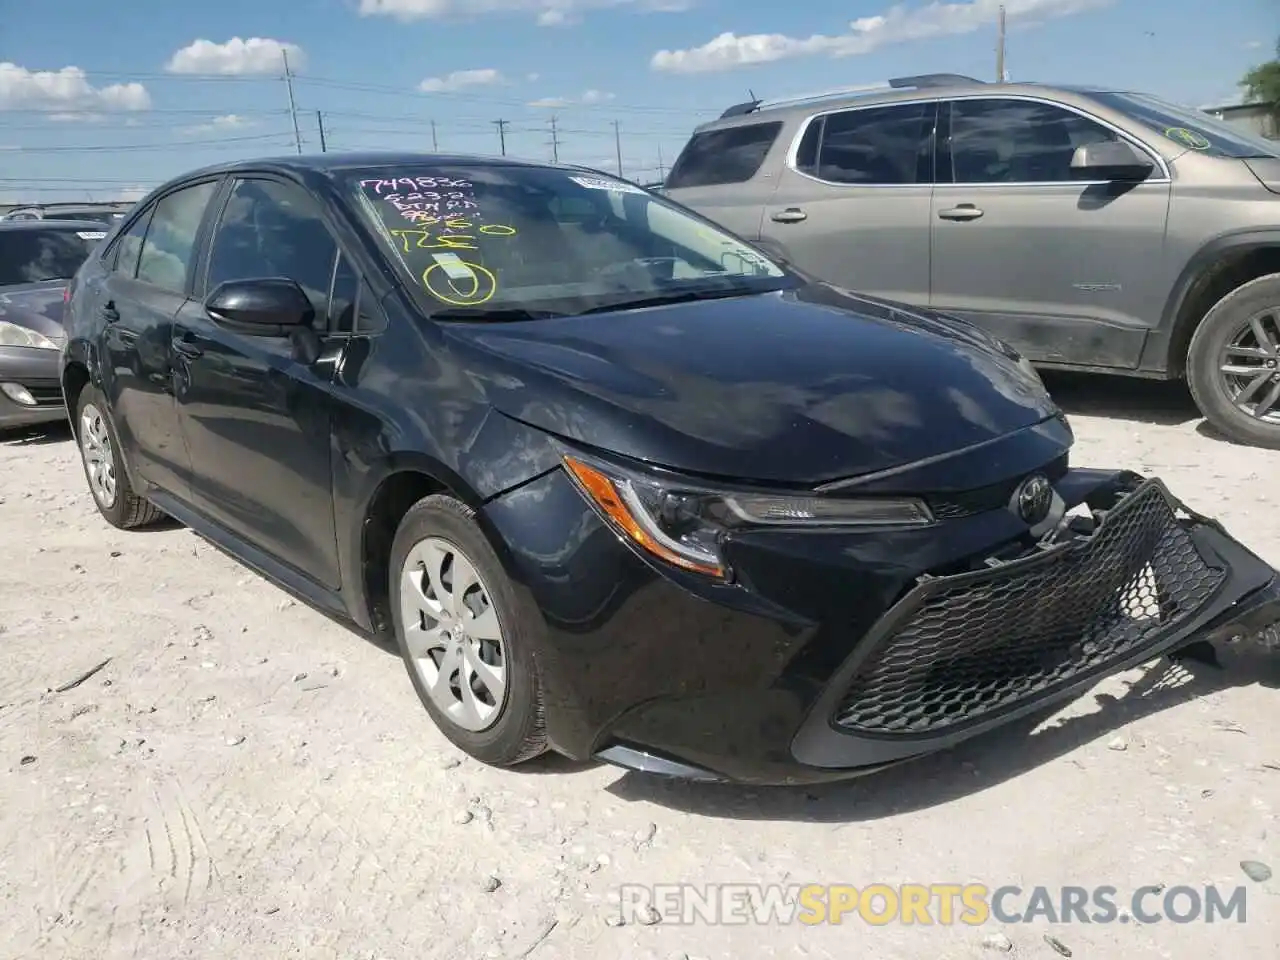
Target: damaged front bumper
[1127, 575]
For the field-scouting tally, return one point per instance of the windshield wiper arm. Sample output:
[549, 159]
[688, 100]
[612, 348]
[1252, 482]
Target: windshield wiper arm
[661, 299]
[494, 315]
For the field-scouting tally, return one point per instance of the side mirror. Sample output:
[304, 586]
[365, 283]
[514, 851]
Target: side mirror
[1110, 160]
[262, 307]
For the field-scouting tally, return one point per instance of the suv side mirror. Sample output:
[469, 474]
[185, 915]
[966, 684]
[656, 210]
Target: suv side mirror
[261, 307]
[1110, 160]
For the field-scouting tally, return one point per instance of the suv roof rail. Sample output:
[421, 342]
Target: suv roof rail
[920, 82]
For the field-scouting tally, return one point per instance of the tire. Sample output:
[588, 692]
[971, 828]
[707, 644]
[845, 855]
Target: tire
[1220, 326]
[103, 462]
[438, 533]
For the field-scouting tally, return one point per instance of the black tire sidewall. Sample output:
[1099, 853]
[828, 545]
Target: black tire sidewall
[517, 733]
[118, 512]
[1203, 377]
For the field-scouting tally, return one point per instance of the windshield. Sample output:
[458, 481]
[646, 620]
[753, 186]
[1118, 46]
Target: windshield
[33, 256]
[475, 240]
[1189, 128]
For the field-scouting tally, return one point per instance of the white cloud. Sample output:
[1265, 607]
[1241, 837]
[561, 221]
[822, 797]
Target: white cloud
[132, 194]
[460, 80]
[228, 121]
[66, 90]
[548, 13]
[587, 97]
[236, 56]
[898, 24]
[1253, 45]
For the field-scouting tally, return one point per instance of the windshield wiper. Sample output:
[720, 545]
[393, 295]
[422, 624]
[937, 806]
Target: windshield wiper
[494, 315]
[662, 299]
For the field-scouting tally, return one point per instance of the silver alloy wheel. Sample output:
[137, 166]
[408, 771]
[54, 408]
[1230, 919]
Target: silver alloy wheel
[99, 463]
[1250, 366]
[452, 633]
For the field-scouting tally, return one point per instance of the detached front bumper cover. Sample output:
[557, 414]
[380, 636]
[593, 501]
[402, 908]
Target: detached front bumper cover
[1134, 577]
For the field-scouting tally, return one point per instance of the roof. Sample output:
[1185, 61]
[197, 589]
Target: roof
[97, 226]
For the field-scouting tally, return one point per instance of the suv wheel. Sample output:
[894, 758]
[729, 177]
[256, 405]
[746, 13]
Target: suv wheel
[1233, 364]
[469, 656]
[103, 462]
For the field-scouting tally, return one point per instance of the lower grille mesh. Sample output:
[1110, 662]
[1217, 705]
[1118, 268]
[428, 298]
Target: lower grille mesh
[979, 643]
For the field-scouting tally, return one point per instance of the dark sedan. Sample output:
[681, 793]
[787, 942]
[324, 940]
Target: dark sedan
[37, 260]
[619, 484]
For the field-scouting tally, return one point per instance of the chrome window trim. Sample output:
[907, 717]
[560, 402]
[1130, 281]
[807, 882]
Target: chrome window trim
[1165, 177]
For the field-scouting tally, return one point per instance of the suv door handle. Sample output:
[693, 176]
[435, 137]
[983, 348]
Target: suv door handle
[789, 215]
[962, 211]
[185, 348]
[109, 312]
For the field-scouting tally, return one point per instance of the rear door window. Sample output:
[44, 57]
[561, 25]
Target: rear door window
[168, 249]
[33, 256]
[729, 155]
[890, 145]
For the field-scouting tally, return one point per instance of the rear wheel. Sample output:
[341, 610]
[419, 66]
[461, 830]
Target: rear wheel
[1233, 364]
[103, 462]
[468, 655]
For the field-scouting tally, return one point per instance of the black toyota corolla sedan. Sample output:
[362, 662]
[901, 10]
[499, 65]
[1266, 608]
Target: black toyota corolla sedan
[620, 484]
[37, 261]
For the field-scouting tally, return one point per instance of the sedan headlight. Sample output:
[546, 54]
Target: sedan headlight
[12, 335]
[683, 524]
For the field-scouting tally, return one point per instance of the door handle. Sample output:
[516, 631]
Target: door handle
[789, 215]
[962, 211]
[185, 348]
[109, 312]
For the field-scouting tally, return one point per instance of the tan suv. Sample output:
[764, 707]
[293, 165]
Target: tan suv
[1094, 230]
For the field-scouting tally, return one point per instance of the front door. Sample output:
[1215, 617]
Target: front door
[257, 411]
[853, 210]
[138, 298]
[1066, 271]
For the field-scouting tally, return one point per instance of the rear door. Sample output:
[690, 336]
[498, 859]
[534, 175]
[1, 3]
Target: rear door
[726, 174]
[149, 272]
[1063, 269]
[256, 411]
[852, 202]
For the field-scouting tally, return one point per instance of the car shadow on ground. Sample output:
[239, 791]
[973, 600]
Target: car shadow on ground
[59, 432]
[1163, 402]
[979, 764]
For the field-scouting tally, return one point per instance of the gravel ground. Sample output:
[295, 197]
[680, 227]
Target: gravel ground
[246, 779]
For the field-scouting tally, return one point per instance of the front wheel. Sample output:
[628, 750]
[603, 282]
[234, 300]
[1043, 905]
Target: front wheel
[1233, 364]
[102, 458]
[470, 658]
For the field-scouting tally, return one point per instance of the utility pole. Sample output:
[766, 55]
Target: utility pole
[1000, 49]
[293, 106]
[320, 124]
[502, 134]
[617, 145]
[435, 141]
[662, 167]
[555, 142]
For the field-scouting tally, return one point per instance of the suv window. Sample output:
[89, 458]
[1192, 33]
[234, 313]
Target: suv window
[129, 245]
[1017, 141]
[272, 229]
[880, 145]
[730, 155]
[33, 256]
[166, 251]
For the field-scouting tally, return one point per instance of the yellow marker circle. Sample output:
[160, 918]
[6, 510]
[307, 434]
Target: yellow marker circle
[497, 230]
[483, 285]
[1188, 138]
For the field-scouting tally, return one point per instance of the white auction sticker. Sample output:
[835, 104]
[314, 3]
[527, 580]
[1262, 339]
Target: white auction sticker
[90, 234]
[454, 267]
[599, 183]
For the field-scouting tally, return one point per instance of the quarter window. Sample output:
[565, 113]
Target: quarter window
[876, 145]
[1017, 141]
[728, 155]
[166, 252]
[352, 307]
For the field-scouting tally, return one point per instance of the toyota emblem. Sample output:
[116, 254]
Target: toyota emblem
[1034, 499]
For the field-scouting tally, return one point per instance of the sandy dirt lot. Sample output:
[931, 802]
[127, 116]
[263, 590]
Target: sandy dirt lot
[246, 780]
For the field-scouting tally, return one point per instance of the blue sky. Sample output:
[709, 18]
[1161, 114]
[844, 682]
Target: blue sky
[100, 100]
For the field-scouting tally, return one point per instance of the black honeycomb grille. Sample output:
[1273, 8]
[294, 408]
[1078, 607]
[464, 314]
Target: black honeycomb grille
[980, 643]
[996, 496]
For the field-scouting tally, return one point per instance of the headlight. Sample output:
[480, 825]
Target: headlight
[12, 335]
[683, 524]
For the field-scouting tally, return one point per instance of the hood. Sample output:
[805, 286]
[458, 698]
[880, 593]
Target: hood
[36, 306]
[796, 387]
